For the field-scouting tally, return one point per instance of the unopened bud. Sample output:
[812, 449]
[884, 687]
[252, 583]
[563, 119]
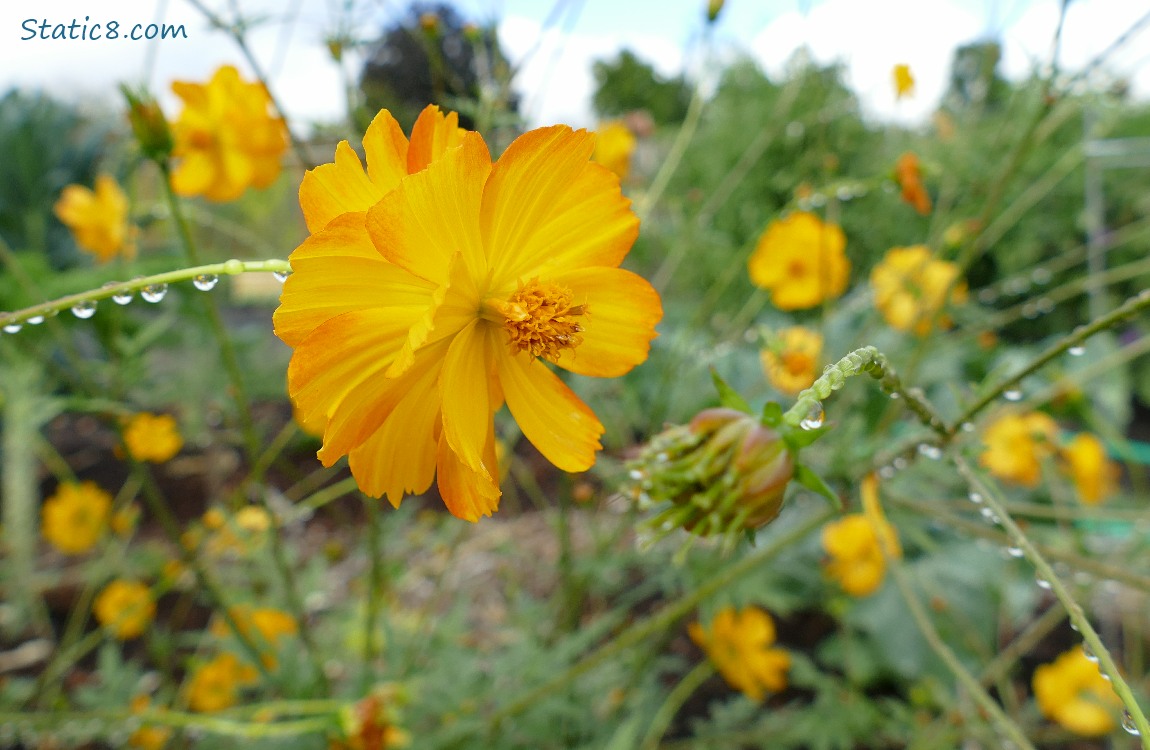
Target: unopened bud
[714, 8]
[149, 125]
[429, 22]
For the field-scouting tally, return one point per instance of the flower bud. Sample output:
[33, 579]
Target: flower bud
[149, 125]
[722, 474]
[714, 8]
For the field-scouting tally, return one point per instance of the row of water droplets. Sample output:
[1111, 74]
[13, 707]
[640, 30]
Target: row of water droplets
[152, 293]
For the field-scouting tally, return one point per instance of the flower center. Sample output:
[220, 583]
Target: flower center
[796, 269]
[797, 363]
[540, 319]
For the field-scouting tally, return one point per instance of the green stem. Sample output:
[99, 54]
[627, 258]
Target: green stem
[675, 700]
[1073, 608]
[113, 719]
[375, 591]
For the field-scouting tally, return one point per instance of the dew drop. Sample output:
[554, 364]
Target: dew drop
[1043, 584]
[1012, 394]
[1045, 306]
[968, 426]
[1129, 725]
[122, 298]
[894, 396]
[933, 452]
[637, 474]
[1076, 351]
[886, 472]
[1014, 552]
[85, 309]
[814, 418]
[818, 199]
[13, 328]
[1073, 626]
[987, 296]
[154, 292]
[1089, 653]
[281, 276]
[975, 498]
[35, 320]
[988, 514]
[1030, 311]
[900, 463]
[205, 282]
[1041, 275]
[844, 193]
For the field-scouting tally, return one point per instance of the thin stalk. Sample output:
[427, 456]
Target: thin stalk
[675, 700]
[1073, 608]
[114, 719]
[375, 592]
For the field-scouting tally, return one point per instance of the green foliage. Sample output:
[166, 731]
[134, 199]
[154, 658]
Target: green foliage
[628, 83]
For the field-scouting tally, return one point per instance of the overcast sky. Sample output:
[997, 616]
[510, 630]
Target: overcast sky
[560, 43]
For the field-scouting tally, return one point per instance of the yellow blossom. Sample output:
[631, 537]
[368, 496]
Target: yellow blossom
[910, 288]
[76, 517]
[800, 260]
[125, 519]
[433, 286]
[226, 140]
[98, 218]
[738, 643]
[791, 359]
[1095, 476]
[903, 81]
[1071, 691]
[1016, 444]
[146, 737]
[125, 608]
[909, 175]
[370, 723]
[215, 684]
[855, 545]
[614, 145]
[267, 624]
[152, 437]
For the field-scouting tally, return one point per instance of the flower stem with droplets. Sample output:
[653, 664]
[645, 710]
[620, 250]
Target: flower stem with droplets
[1073, 608]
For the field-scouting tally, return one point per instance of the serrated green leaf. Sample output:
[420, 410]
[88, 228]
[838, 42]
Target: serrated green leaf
[815, 483]
[728, 396]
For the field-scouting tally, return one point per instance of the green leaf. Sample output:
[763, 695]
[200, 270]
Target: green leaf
[772, 414]
[728, 396]
[815, 483]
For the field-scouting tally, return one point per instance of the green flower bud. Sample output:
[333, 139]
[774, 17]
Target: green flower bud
[149, 125]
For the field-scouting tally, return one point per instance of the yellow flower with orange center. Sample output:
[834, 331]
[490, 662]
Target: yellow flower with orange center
[152, 437]
[909, 175]
[800, 260]
[855, 545]
[911, 287]
[1016, 444]
[614, 145]
[434, 284]
[76, 517]
[1071, 691]
[1095, 475]
[739, 644]
[125, 608]
[903, 80]
[215, 684]
[791, 359]
[225, 138]
[98, 218]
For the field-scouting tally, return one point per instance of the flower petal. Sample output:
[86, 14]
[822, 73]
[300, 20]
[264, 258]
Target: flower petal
[432, 134]
[464, 390]
[552, 417]
[333, 189]
[434, 214]
[385, 146]
[337, 270]
[622, 311]
[468, 494]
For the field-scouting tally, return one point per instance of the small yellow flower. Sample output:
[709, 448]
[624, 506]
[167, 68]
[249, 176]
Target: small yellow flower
[125, 519]
[791, 359]
[903, 81]
[76, 517]
[909, 175]
[910, 288]
[253, 519]
[215, 684]
[738, 643]
[146, 737]
[98, 219]
[125, 608]
[800, 260]
[1095, 476]
[1016, 444]
[614, 144]
[1072, 692]
[855, 544]
[269, 626]
[226, 140]
[371, 723]
[152, 437]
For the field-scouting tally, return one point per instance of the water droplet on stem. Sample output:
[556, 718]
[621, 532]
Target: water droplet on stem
[85, 309]
[154, 292]
[205, 282]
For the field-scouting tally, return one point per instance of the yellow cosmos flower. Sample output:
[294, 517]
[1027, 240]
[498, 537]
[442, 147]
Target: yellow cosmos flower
[125, 608]
[903, 81]
[1016, 444]
[152, 437]
[855, 545]
[738, 643]
[791, 359]
[613, 147]
[801, 261]
[146, 737]
[98, 218]
[226, 140]
[215, 684]
[415, 316]
[1071, 691]
[1095, 476]
[269, 626]
[910, 287]
[76, 517]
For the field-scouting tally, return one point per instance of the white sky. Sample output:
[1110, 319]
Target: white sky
[871, 36]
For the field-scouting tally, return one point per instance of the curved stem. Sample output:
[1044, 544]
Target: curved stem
[674, 702]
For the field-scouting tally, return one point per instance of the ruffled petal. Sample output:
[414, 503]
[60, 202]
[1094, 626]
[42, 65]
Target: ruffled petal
[434, 214]
[622, 311]
[333, 189]
[467, 493]
[465, 393]
[337, 270]
[385, 146]
[432, 134]
[552, 417]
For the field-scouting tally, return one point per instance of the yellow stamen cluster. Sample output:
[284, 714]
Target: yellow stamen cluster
[540, 319]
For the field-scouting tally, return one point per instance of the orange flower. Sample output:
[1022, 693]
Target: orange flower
[791, 359]
[226, 141]
[909, 175]
[76, 517]
[1095, 476]
[98, 219]
[738, 643]
[1072, 692]
[147, 737]
[125, 608]
[152, 437]
[215, 684]
[801, 261]
[910, 287]
[855, 545]
[1016, 444]
[614, 145]
[431, 288]
[903, 81]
